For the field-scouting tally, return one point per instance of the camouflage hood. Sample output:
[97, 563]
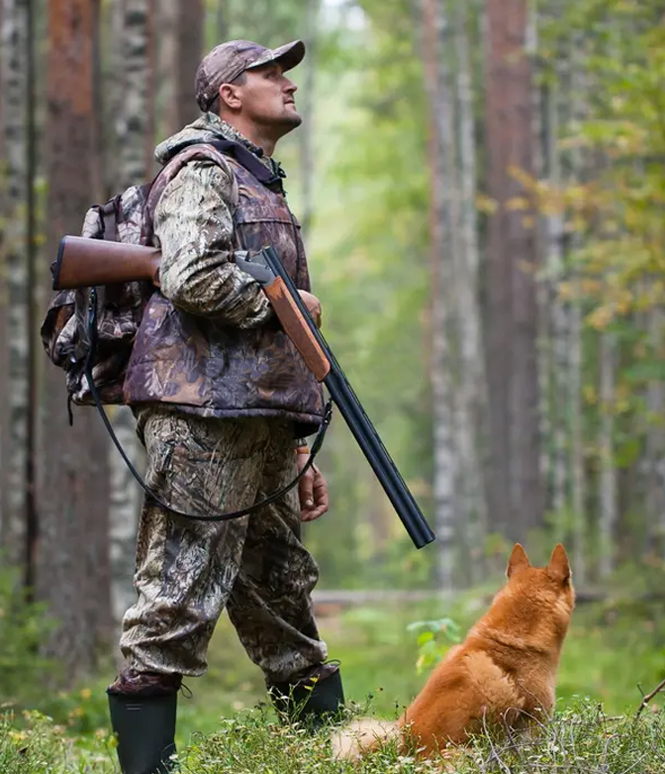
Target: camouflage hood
[208, 128]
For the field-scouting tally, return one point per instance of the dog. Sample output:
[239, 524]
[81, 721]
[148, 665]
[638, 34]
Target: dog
[502, 674]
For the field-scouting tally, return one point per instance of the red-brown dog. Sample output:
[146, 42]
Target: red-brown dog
[503, 673]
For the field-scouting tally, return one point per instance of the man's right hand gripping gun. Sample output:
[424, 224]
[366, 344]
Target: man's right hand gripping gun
[85, 262]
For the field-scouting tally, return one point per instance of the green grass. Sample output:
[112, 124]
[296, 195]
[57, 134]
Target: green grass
[610, 650]
[579, 740]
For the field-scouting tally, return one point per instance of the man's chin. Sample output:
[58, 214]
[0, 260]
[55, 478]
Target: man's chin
[292, 119]
[286, 123]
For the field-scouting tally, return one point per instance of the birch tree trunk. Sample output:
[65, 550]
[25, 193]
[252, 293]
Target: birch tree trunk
[558, 366]
[133, 123]
[576, 92]
[608, 485]
[655, 442]
[444, 472]
[306, 133]
[513, 320]
[166, 20]
[4, 302]
[473, 381]
[578, 477]
[188, 54]
[73, 565]
[14, 89]
[222, 21]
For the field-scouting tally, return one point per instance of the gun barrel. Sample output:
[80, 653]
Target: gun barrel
[357, 420]
[83, 262]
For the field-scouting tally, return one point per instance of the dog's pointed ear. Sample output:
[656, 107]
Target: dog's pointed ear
[518, 560]
[559, 567]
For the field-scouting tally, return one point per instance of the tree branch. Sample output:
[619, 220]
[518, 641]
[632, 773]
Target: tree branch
[648, 698]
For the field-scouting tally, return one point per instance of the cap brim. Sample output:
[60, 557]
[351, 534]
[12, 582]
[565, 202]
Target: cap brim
[288, 56]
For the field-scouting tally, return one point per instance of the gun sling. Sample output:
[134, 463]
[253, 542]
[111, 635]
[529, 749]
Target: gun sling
[266, 267]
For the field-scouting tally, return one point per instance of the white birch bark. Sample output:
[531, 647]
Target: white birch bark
[607, 481]
[577, 435]
[4, 347]
[655, 441]
[557, 313]
[458, 290]
[306, 135]
[576, 92]
[473, 381]
[222, 21]
[14, 89]
[167, 14]
[132, 121]
[444, 468]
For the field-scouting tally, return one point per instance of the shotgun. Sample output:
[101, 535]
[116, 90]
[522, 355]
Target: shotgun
[83, 262]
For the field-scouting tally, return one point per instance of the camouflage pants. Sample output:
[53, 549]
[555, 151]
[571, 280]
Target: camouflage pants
[255, 566]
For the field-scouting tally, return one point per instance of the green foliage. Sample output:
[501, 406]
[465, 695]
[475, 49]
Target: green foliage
[434, 640]
[38, 746]
[24, 627]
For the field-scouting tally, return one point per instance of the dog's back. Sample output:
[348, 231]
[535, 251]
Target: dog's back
[505, 670]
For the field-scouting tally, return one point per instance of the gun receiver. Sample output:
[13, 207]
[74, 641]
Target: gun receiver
[85, 262]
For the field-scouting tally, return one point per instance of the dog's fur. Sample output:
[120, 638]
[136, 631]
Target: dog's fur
[503, 673]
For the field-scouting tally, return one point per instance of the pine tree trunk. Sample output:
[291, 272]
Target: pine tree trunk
[14, 89]
[73, 566]
[608, 484]
[444, 472]
[513, 315]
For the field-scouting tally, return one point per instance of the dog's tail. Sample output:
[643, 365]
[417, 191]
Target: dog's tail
[361, 736]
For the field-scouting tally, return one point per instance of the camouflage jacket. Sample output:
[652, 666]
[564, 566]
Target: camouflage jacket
[209, 343]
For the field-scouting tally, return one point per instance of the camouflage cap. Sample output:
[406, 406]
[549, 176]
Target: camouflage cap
[228, 60]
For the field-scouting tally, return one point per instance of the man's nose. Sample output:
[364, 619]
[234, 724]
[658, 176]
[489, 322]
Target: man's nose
[290, 87]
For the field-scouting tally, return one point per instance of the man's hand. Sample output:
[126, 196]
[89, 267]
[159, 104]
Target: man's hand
[313, 306]
[312, 489]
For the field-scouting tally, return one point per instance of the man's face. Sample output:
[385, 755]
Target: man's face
[268, 98]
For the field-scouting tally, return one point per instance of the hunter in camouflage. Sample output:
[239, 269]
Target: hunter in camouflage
[222, 400]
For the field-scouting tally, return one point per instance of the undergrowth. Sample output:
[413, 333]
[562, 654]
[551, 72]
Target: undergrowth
[578, 740]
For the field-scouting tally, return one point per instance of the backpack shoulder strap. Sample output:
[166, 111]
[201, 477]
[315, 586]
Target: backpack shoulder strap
[109, 220]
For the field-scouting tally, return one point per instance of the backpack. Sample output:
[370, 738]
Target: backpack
[119, 307]
[127, 217]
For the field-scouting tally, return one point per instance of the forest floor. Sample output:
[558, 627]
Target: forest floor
[613, 654]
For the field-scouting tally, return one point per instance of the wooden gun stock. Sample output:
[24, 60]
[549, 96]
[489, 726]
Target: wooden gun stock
[83, 262]
[297, 329]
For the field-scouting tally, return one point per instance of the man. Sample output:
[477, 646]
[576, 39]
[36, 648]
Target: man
[223, 402]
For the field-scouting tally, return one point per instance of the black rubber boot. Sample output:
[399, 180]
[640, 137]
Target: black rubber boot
[145, 727]
[312, 700]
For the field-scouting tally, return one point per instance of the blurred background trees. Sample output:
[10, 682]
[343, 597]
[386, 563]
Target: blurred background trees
[482, 190]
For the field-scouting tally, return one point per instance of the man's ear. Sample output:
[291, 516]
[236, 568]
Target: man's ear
[228, 95]
[518, 560]
[559, 568]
